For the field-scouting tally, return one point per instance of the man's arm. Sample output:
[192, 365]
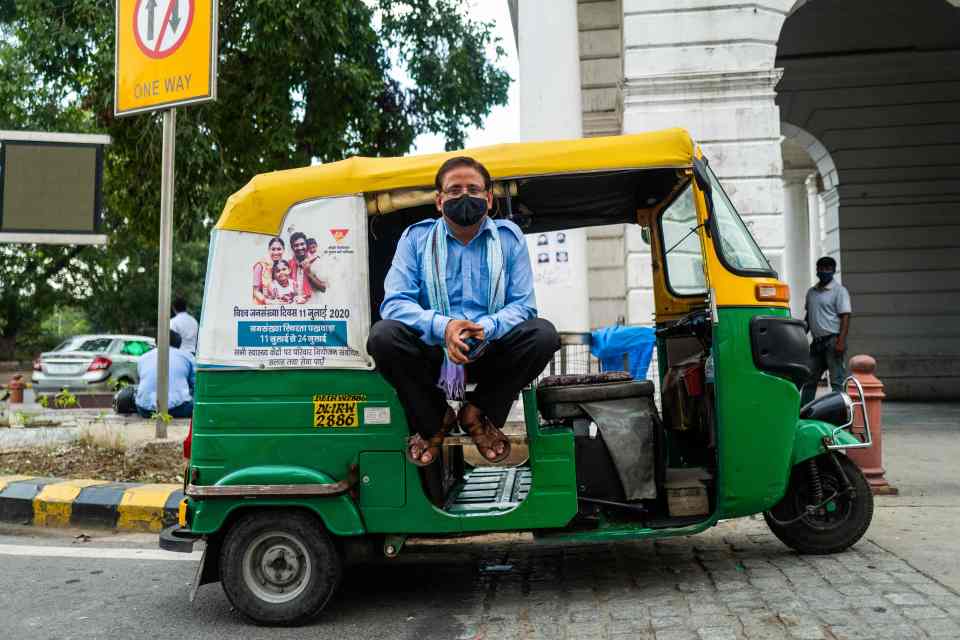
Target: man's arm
[844, 309]
[318, 284]
[401, 300]
[520, 300]
[844, 328]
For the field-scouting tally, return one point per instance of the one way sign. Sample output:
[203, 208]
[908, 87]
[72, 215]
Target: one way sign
[165, 54]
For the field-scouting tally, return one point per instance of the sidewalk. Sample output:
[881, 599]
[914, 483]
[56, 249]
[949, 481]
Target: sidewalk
[921, 448]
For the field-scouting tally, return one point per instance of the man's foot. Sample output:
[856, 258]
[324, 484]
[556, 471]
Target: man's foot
[490, 441]
[425, 452]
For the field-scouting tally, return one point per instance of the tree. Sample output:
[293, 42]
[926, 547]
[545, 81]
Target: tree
[299, 82]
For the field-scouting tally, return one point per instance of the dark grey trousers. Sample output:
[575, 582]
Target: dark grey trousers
[824, 357]
[506, 367]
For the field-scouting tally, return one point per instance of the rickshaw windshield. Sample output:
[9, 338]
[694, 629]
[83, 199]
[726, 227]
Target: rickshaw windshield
[737, 248]
[681, 247]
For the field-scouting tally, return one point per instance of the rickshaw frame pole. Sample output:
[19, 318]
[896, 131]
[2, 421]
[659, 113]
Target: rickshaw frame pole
[166, 271]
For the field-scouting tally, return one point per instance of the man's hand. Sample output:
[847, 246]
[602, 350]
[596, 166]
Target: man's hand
[840, 345]
[453, 337]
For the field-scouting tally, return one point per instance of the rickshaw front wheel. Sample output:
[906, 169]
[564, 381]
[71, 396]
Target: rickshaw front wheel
[826, 509]
[278, 567]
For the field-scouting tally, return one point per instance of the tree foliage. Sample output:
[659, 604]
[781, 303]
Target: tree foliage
[300, 82]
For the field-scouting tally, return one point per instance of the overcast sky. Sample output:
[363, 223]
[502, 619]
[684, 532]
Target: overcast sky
[503, 123]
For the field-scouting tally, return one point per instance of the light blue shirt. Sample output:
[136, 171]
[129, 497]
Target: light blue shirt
[405, 296]
[181, 380]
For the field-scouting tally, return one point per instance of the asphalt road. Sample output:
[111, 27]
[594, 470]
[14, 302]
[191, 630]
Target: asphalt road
[735, 581]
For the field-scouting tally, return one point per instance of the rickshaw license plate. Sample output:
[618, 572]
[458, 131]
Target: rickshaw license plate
[337, 410]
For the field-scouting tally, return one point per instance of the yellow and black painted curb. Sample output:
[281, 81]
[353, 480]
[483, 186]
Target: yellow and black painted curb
[53, 502]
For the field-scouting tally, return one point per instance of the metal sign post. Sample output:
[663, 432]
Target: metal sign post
[166, 268]
[166, 55]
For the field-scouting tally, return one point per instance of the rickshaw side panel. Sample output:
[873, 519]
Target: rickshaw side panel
[246, 422]
[757, 419]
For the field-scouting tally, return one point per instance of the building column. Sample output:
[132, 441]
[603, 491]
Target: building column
[796, 258]
[551, 108]
[830, 226]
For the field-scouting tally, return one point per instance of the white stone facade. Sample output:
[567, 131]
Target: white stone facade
[833, 127]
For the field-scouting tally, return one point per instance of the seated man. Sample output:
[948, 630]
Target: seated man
[459, 306]
[181, 380]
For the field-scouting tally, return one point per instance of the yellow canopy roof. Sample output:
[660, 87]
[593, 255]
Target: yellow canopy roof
[260, 206]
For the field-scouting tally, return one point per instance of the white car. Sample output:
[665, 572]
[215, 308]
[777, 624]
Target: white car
[90, 363]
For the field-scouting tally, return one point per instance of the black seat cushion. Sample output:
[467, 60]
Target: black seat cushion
[584, 378]
[559, 401]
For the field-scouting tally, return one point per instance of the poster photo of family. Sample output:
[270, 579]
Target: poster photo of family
[291, 272]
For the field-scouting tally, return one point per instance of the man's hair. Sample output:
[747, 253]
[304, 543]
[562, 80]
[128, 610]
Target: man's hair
[175, 340]
[827, 261]
[179, 304]
[311, 241]
[296, 236]
[462, 161]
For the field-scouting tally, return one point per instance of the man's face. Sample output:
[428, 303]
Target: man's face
[300, 248]
[463, 180]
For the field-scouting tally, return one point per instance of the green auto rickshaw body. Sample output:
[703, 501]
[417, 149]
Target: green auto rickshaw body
[256, 427]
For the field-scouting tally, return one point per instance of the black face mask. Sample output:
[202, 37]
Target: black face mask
[465, 210]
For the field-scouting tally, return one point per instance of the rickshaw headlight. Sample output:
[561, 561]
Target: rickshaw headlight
[835, 408]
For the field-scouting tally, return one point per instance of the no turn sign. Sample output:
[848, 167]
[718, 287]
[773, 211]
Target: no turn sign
[165, 54]
[161, 26]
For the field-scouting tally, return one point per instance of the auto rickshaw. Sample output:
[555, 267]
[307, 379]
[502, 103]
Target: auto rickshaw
[296, 445]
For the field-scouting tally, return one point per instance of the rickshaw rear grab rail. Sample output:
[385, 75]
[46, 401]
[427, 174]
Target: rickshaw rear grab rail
[312, 490]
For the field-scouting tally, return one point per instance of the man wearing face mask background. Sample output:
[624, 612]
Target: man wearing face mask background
[828, 321]
[459, 308]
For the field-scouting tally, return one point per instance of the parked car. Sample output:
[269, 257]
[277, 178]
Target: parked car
[90, 363]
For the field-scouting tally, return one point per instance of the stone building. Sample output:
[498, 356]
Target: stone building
[833, 124]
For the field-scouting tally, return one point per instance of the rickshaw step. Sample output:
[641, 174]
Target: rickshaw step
[490, 489]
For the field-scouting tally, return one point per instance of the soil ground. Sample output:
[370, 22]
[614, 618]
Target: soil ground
[85, 460]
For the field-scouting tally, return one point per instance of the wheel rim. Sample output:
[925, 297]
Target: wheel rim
[832, 515]
[276, 567]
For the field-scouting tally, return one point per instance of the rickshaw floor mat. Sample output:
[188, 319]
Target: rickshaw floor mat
[490, 489]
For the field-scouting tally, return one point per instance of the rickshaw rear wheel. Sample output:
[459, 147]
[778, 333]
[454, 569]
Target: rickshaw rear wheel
[830, 528]
[279, 567]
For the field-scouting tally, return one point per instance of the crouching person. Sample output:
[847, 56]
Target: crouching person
[182, 377]
[459, 308]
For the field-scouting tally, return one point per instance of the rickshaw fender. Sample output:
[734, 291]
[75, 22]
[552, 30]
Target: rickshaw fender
[808, 441]
[338, 513]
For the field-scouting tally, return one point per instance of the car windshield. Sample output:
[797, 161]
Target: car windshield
[737, 247]
[85, 344]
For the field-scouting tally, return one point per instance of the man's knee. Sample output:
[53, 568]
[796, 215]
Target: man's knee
[545, 336]
[383, 337]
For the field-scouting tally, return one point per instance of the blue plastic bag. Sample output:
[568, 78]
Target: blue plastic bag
[610, 344]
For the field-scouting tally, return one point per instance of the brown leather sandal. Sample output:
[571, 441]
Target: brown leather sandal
[433, 445]
[484, 433]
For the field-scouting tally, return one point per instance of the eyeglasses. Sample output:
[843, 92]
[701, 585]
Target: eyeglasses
[458, 190]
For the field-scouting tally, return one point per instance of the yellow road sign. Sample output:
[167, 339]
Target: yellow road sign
[166, 54]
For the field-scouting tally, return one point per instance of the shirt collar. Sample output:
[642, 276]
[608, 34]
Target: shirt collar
[826, 287]
[488, 225]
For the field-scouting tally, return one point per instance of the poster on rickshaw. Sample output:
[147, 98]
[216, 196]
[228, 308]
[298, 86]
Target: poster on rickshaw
[299, 299]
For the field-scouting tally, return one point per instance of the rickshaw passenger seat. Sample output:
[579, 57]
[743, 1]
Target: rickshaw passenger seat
[559, 397]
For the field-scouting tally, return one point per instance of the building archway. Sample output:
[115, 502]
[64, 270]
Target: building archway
[877, 87]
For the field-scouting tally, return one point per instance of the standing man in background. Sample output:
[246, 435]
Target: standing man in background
[828, 321]
[186, 325]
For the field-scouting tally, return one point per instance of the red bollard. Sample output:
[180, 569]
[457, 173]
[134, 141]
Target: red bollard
[870, 460]
[16, 387]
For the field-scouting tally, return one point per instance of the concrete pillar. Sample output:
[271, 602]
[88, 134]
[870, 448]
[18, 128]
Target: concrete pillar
[551, 108]
[796, 258]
